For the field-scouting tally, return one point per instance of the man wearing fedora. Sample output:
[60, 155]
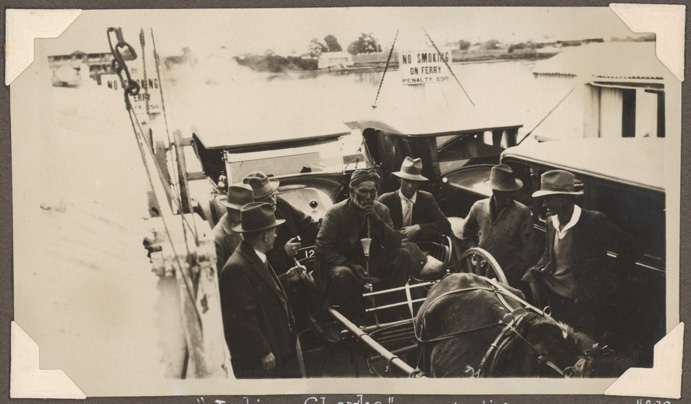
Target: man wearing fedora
[502, 226]
[574, 274]
[225, 239]
[340, 252]
[296, 222]
[257, 320]
[298, 228]
[413, 211]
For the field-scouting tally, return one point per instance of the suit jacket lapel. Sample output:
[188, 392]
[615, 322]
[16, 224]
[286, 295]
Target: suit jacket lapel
[353, 224]
[551, 234]
[261, 269]
[397, 211]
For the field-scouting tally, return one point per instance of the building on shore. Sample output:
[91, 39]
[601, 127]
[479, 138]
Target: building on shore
[335, 60]
[73, 68]
[617, 87]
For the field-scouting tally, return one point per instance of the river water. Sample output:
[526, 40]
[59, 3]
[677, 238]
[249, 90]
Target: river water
[217, 88]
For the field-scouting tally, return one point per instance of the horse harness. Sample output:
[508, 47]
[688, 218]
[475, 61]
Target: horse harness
[511, 324]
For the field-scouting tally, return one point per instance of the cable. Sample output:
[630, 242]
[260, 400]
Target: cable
[546, 116]
[449, 67]
[132, 88]
[386, 67]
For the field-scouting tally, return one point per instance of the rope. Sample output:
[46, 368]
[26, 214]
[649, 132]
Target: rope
[546, 116]
[386, 67]
[178, 197]
[449, 67]
[188, 287]
[165, 120]
[132, 88]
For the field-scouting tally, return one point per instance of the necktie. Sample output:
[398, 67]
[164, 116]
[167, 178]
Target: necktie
[408, 214]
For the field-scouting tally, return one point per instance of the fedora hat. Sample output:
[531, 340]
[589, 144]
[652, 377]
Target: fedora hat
[238, 196]
[502, 178]
[256, 216]
[261, 184]
[557, 182]
[411, 170]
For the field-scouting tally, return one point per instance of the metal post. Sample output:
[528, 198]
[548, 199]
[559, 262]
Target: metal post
[390, 357]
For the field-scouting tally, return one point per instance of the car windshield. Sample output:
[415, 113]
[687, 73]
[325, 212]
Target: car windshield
[324, 157]
[455, 151]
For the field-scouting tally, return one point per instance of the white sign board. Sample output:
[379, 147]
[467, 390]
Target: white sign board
[427, 66]
[148, 100]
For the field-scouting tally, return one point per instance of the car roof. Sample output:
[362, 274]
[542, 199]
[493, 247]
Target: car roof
[421, 122]
[266, 133]
[634, 161]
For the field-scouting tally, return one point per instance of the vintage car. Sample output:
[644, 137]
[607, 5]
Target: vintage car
[310, 164]
[457, 153]
[314, 167]
[623, 178]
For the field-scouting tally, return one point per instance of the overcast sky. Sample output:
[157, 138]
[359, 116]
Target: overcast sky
[289, 30]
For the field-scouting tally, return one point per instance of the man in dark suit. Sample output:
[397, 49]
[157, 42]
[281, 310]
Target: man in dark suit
[340, 252]
[296, 224]
[225, 239]
[414, 212]
[503, 226]
[298, 228]
[257, 320]
[574, 274]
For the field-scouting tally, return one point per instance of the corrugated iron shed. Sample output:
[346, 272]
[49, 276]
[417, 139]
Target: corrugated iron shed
[612, 60]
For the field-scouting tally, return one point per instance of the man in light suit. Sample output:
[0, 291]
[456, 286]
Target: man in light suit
[414, 212]
[257, 320]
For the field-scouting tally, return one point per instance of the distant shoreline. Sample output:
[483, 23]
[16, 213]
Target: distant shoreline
[374, 62]
[364, 67]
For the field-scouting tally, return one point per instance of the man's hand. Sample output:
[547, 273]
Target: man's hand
[359, 272]
[292, 247]
[371, 213]
[409, 232]
[269, 362]
[534, 274]
[293, 274]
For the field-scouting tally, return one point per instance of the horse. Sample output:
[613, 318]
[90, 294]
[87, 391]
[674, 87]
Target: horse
[470, 327]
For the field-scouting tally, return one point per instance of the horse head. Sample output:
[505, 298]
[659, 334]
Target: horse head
[538, 347]
[596, 360]
[554, 349]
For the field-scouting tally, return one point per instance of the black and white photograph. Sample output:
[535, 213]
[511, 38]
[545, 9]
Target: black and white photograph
[377, 200]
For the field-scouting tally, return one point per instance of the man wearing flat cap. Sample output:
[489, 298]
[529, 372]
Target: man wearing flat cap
[340, 252]
[414, 212]
[257, 320]
[225, 239]
[574, 274]
[502, 225]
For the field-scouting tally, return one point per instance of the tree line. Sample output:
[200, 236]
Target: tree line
[366, 43]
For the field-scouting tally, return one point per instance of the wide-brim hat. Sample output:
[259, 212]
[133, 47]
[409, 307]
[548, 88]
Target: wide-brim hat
[238, 196]
[261, 184]
[411, 170]
[557, 182]
[256, 216]
[502, 178]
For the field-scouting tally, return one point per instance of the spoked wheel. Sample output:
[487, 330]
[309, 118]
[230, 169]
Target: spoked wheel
[480, 262]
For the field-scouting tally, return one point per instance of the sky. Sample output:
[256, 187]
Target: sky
[288, 31]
